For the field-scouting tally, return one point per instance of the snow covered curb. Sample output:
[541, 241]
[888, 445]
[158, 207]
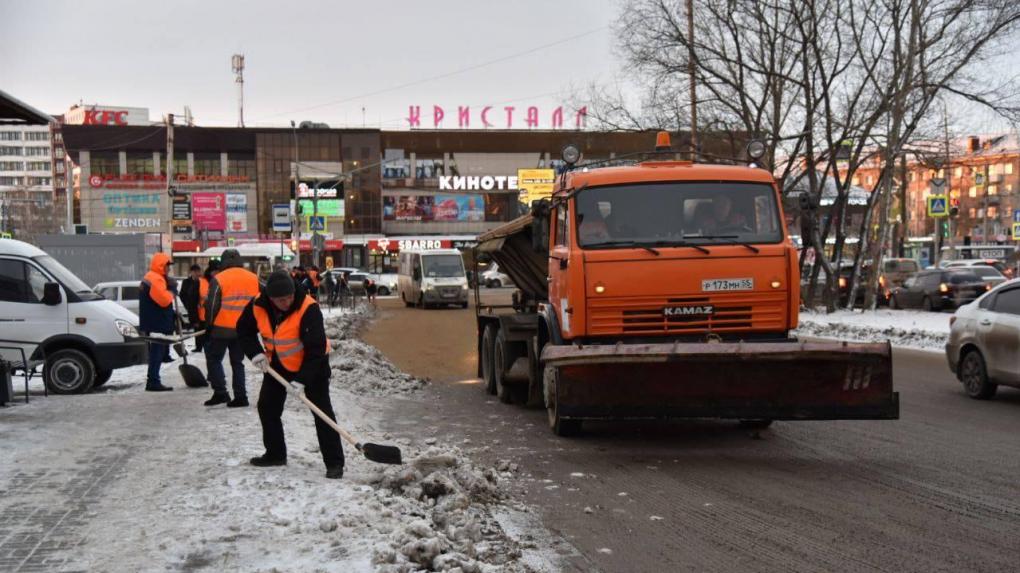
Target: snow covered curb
[903, 328]
[360, 368]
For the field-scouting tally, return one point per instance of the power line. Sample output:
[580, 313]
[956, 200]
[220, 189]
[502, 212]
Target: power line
[444, 75]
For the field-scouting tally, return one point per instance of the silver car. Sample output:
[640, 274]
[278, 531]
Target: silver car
[125, 293]
[984, 341]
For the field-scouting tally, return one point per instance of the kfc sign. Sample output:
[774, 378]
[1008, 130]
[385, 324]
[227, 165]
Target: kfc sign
[105, 117]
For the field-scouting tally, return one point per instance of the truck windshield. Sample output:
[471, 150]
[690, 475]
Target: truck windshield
[65, 277]
[662, 214]
[439, 266]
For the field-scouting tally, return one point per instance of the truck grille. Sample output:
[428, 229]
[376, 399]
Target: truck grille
[448, 291]
[731, 312]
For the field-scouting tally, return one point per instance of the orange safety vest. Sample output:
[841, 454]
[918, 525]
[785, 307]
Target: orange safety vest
[203, 294]
[285, 341]
[237, 287]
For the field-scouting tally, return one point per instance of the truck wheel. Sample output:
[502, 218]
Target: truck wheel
[69, 371]
[755, 424]
[559, 426]
[974, 376]
[488, 378]
[535, 398]
[501, 357]
[102, 377]
[403, 298]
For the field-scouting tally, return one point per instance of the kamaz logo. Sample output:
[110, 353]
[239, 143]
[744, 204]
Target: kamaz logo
[704, 310]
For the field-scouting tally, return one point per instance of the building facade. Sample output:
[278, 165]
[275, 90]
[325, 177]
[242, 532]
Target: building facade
[27, 173]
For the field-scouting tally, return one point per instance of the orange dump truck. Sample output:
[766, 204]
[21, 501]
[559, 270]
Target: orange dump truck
[665, 289]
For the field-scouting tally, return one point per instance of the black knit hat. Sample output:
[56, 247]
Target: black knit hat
[279, 284]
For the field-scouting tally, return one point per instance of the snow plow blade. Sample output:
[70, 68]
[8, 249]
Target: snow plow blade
[779, 381]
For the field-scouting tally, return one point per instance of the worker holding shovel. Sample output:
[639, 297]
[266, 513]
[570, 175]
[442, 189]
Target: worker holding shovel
[292, 330]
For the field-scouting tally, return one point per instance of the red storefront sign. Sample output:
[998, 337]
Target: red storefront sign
[397, 245]
[105, 117]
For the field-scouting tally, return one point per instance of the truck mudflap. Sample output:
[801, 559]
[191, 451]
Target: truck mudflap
[779, 381]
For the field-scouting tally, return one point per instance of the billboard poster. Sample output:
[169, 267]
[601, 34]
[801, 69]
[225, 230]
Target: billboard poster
[459, 208]
[327, 207]
[237, 213]
[535, 184]
[408, 208]
[181, 214]
[209, 211]
[131, 211]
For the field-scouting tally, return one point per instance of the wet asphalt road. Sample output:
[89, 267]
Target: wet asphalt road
[937, 490]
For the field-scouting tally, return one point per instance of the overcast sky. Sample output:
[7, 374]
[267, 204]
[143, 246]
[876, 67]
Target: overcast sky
[324, 55]
[317, 60]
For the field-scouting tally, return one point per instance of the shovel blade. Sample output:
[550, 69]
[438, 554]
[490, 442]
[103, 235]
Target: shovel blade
[381, 454]
[193, 377]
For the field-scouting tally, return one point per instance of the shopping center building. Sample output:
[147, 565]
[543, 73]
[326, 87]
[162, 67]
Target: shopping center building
[369, 193]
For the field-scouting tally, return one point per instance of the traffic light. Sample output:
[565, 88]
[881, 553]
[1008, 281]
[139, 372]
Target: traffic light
[954, 207]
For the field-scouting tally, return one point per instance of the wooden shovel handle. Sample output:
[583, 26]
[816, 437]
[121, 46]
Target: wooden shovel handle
[315, 409]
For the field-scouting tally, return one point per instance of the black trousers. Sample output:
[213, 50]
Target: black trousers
[271, 399]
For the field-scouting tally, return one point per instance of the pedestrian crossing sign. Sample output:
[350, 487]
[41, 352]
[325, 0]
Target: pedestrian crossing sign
[938, 206]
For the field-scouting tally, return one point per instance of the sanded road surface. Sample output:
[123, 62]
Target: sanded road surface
[937, 490]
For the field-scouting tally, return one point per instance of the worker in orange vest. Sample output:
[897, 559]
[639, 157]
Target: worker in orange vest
[203, 296]
[292, 330]
[229, 292]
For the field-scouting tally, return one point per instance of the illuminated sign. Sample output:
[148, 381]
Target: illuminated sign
[508, 117]
[476, 183]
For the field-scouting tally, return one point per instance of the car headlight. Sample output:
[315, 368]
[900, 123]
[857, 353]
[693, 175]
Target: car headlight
[126, 329]
[464, 287]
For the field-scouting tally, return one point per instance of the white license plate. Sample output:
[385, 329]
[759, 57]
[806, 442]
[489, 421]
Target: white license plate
[727, 284]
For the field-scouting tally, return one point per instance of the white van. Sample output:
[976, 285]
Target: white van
[432, 278]
[51, 315]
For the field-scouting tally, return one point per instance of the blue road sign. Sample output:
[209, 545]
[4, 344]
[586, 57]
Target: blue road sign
[1016, 215]
[317, 223]
[938, 206]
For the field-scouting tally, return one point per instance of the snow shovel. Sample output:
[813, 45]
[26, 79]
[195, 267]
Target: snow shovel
[193, 377]
[373, 452]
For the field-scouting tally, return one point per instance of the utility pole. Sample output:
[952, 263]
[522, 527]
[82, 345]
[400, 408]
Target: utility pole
[69, 185]
[690, 72]
[170, 188]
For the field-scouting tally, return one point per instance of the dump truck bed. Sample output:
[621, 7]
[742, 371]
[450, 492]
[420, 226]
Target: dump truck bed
[510, 245]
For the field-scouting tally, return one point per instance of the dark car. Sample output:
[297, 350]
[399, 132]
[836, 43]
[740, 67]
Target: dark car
[882, 293]
[938, 289]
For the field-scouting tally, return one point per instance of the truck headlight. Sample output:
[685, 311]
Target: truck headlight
[126, 329]
[463, 287]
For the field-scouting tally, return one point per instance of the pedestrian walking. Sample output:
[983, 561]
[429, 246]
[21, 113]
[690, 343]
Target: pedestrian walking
[327, 286]
[370, 289]
[229, 292]
[190, 294]
[291, 325]
[313, 282]
[156, 315]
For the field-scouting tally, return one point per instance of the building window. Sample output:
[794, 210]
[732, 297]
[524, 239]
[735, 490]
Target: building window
[1009, 187]
[140, 163]
[1009, 169]
[973, 191]
[12, 166]
[856, 181]
[942, 172]
[38, 166]
[207, 163]
[10, 136]
[993, 190]
[7, 150]
[10, 181]
[993, 212]
[958, 172]
[37, 151]
[241, 165]
[994, 169]
[41, 181]
[973, 212]
[37, 136]
[105, 163]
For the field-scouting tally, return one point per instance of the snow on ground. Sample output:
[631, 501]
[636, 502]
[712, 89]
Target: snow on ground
[903, 328]
[185, 497]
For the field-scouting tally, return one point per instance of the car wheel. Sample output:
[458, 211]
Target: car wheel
[69, 371]
[488, 376]
[974, 376]
[102, 377]
[496, 283]
[383, 291]
[927, 305]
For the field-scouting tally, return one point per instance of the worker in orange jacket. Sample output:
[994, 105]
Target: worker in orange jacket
[156, 314]
[230, 291]
[203, 296]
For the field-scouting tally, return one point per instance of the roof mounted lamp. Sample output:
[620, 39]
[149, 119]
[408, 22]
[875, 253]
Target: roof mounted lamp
[571, 154]
[662, 142]
[756, 150]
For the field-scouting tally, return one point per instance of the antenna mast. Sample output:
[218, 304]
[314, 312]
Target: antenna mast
[237, 63]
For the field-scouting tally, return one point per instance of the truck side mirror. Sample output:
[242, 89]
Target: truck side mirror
[51, 294]
[540, 226]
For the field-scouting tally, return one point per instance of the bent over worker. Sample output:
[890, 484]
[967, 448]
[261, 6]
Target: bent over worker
[230, 291]
[292, 330]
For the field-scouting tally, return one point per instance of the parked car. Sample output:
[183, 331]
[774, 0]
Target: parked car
[125, 293]
[992, 277]
[492, 277]
[995, 263]
[57, 320]
[983, 340]
[387, 283]
[938, 290]
[896, 271]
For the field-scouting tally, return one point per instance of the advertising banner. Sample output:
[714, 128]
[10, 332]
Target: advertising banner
[327, 207]
[209, 211]
[408, 208]
[535, 184]
[135, 211]
[181, 214]
[459, 208]
[237, 213]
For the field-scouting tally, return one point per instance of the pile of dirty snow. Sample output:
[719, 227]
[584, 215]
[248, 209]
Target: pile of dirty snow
[903, 328]
[454, 530]
[360, 368]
